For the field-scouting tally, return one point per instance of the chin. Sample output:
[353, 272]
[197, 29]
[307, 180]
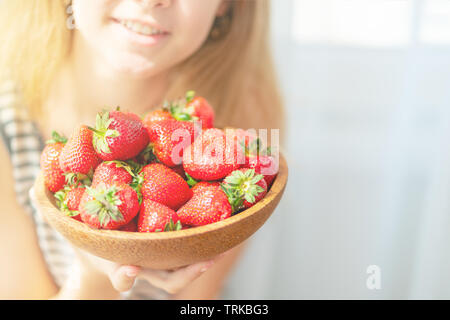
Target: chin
[133, 66]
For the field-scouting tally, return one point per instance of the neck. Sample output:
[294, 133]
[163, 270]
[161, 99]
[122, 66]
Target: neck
[96, 85]
[86, 85]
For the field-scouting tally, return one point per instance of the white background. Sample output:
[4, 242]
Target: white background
[367, 92]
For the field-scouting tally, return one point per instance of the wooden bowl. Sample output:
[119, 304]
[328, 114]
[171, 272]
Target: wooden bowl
[163, 250]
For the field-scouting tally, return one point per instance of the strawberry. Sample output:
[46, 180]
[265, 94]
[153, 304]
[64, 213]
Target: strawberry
[112, 171]
[256, 157]
[54, 178]
[194, 108]
[69, 200]
[245, 139]
[244, 188]
[156, 217]
[212, 156]
[119, 172]
[163, 185]
[109, 206]
[169, 139]
[78, 155]
[119, 135]
[179, 170]
[156, 115]
[130, 227]
[208, 204]
[263, 164]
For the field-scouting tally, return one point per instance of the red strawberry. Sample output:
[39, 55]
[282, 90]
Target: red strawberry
[179, 170]
[109, 206]
[194, 108]
[112, 171]
[54, 178]
[208, 204]
[130, 227]
[69, 200]
[170, 138]
[156, 115]
[244, 188]
[163, 185]
[156, 217]
[265, 165]
[212, 156]
[78, 155]
[119, 135]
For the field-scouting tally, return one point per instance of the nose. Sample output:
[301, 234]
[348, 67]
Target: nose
[155, 3]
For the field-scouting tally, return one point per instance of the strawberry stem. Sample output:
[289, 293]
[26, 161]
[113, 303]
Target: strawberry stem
[57, 138]
[105, 204]
[190, 181]
[190, 95]
[95, 130]
[240, 186]
[102, 132]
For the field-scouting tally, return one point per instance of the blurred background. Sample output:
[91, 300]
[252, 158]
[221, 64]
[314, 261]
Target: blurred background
[367, 92]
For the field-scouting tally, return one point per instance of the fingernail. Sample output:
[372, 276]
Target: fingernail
[132, 273]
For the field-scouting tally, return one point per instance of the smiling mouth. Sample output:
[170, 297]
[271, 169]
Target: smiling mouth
[141, 28]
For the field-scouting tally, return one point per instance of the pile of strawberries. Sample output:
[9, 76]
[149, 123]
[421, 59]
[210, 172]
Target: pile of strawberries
[169, 171]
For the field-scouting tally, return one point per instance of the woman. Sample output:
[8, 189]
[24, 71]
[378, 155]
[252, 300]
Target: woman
[61, 62]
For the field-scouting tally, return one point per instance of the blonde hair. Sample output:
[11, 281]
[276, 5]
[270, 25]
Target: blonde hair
[235, 73]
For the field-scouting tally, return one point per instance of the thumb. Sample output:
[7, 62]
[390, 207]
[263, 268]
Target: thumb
[123, 277]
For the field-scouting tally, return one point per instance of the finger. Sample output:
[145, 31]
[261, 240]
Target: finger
[173, 281]
[123, 277]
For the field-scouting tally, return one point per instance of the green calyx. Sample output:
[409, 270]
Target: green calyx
[57, 138]
[190, 181]
[131, 167]
[179, 110]
[134, 169]
[77, 179]
[147, 155]
[240, 186]
[61, 202]
[171, 226]
[255, 147]
[190, 95]
[105, 204]
[136, 184]
[102, 132]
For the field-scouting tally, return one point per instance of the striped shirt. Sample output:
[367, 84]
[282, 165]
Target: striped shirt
[24, 144]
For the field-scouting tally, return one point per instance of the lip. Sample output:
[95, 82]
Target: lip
[137, 38]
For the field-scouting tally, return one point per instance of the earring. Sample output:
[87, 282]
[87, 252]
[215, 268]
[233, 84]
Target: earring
[70, 22]
[221, 26]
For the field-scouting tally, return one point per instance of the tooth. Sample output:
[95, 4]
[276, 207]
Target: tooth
[147, 30]
[137, 27]
[140, 28]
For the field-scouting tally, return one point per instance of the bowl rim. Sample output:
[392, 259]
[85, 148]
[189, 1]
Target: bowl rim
[277, 187]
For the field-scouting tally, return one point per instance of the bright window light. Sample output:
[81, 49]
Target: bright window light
[353, 22]
[435, 22]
